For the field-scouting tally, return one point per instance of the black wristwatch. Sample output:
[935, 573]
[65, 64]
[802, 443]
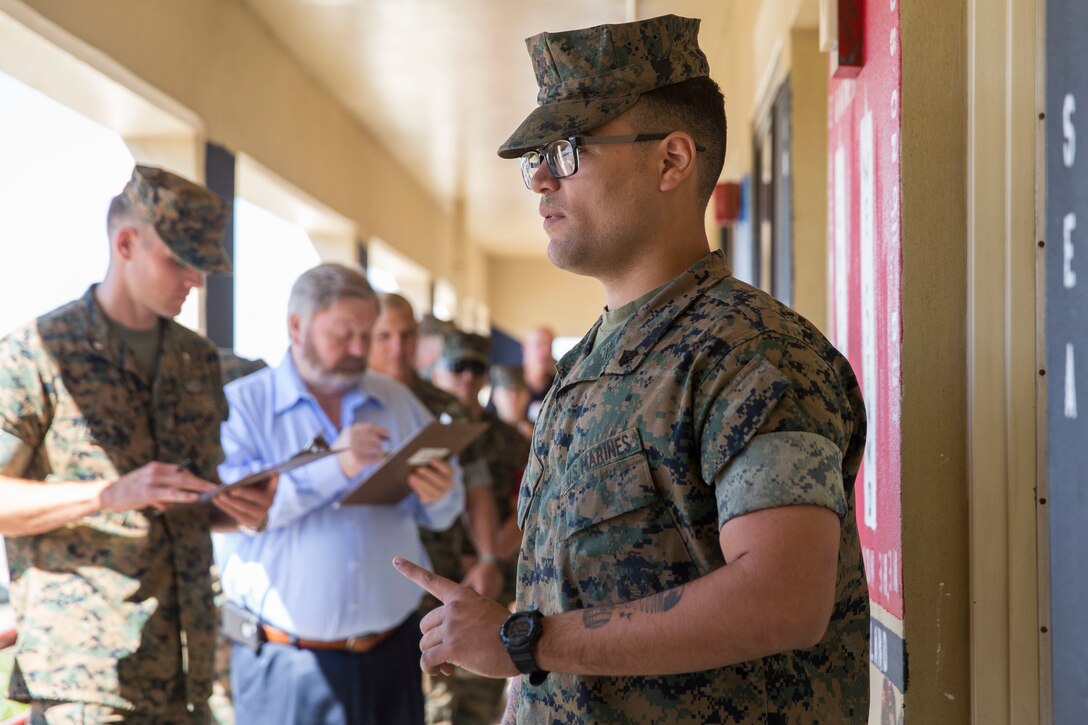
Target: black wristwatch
[520, 633]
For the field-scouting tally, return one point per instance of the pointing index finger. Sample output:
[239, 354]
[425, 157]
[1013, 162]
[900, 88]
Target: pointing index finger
[441, 587]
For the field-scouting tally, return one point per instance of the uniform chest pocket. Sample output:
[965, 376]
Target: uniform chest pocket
[188, 417]
[607, 493]
[617, 539]
[534, 469]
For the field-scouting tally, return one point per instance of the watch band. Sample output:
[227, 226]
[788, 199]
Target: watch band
[525, 662]
[521, 652]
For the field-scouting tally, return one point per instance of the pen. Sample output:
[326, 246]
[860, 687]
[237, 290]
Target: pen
[185, 464]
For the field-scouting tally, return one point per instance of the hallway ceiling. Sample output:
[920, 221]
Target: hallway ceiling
[444, 82]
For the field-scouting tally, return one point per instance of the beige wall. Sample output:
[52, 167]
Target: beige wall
[808, 165]
[756, 57]
[533, 291]
[216, 59]
[1005, 130]
[934, 303]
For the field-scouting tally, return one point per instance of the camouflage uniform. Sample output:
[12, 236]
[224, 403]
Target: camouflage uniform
[507, 454]
[115, 610]
[235, 366]
[502, 451]
[714, 400]
[102, 603]
[443, 695]
[444, 547]
[480, 699]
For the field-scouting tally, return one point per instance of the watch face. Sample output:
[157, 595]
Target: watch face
[519, 628]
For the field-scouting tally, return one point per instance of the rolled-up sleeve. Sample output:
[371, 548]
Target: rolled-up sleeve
[21, 404]
[773, 432]
[782, 469]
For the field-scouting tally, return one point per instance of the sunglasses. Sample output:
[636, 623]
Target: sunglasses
[473, 366]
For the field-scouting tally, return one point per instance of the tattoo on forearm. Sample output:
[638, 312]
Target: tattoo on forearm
[597, 617]
[661, 602]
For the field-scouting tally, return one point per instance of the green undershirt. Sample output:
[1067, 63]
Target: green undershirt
[613, 320]
[143, 344]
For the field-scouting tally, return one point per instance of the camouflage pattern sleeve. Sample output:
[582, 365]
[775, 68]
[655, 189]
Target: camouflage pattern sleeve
[776, 432]
[782, 469]
[15, 455]
[23, 405]
[474, 463]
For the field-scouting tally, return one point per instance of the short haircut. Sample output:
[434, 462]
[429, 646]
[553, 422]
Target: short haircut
[697, 107]
[120, 212]
[325, 285]
[400, 303]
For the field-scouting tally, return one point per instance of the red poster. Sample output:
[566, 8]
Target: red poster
[866, 264]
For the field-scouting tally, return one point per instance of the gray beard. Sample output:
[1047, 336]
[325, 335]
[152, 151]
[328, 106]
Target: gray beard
[337, 379]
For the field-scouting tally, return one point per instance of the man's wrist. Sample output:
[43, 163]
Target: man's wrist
[254, 530]
[102, 498]
[520, 634]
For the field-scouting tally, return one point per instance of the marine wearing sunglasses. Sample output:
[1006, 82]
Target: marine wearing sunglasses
[473, 366]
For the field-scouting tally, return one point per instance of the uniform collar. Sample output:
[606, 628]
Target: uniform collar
[624, 351]
[98, 327]
[103, 343]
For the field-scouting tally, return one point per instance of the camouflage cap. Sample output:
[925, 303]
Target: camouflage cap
[458, 345]
[431, 325]
[508, 376]
[189, 218]
[590, 76]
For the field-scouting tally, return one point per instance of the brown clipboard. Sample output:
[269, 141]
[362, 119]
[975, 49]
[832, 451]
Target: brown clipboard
[388, 483]
[313, 451]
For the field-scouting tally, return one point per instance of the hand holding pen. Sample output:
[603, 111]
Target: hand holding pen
[154, 484]
[363, 444]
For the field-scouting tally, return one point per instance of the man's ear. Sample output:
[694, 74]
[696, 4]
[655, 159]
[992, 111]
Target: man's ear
[294, 328]
[125, 241]
[679, 161]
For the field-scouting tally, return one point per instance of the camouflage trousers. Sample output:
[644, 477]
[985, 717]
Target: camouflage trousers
[52, 712]
[463, 699]
[222, 709]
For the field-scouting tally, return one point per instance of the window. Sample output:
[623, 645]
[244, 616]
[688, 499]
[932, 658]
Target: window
[390, 271]
[58, 172]
[269, 255]
[279, 233]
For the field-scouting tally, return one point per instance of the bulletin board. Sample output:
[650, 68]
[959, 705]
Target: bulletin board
[864, 231]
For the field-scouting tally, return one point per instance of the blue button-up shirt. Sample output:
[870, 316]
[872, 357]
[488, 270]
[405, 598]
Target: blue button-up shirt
[320, 571]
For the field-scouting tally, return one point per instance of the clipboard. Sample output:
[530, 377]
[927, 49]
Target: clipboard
[388, 483]
[313, 451]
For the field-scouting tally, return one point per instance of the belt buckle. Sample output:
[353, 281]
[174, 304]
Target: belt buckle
[349, 643]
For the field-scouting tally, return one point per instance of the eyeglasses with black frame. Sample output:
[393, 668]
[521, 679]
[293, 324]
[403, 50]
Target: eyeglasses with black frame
[562, 155]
